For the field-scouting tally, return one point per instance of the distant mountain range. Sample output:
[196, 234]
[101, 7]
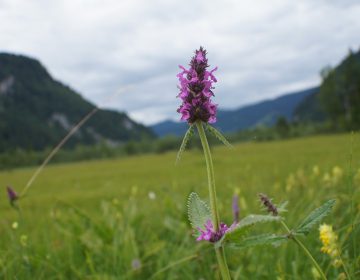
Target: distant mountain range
[37, 111]
[302, 106]
[261, 113]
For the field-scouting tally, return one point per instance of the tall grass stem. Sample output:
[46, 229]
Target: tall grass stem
[220, 252]
[56, 149]
[307, 252]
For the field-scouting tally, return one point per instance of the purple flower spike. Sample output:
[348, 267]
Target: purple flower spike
[236, 209]
[12, 195]
[196, 86]
[136, 264]
[209, 234]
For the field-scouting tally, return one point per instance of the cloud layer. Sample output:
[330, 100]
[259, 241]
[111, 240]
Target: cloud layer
[124, 54]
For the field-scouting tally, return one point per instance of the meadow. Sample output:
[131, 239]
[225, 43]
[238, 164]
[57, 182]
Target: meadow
[126, 218]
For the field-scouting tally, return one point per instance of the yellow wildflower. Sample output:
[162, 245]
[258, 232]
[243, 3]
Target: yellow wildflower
[330, 247]
[237, 191]
[290, 182]
[316, 171]
[23, 240]
[327, 179]
[301, 178]
[15, 225]
[337, 174]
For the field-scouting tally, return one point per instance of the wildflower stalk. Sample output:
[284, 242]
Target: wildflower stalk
[345, 269]
[307, 252]
[220, 252]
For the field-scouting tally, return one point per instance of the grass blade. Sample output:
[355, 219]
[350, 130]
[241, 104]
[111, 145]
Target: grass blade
[184, 142]
[219, 136]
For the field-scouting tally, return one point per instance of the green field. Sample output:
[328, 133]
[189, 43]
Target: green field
[126, 218]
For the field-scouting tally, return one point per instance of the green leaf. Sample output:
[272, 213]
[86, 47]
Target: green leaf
[237, 233]
[259, 240]
[198, 211]
[281, 207]
[184, 142]
[218, 135]
[315, 217]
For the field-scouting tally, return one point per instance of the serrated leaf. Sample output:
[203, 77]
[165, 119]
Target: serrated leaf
[259, 240]
[245, 224]
[198, 211]
[184, 142]
[218, 135]
[315, 217]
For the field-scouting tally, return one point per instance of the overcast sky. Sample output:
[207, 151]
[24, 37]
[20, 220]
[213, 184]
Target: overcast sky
[124, 54]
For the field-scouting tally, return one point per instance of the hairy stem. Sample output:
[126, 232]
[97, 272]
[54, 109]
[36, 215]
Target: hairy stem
[220, 252]
[307, 252]
[211, 177]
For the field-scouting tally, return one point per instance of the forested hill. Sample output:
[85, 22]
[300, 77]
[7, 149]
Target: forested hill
[338, 98]
[37, 111]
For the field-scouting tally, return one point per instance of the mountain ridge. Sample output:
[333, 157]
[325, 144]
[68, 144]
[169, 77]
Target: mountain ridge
[263, 112]
[36, 110]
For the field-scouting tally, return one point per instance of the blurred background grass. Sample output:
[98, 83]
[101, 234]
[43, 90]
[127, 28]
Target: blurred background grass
[126, 218]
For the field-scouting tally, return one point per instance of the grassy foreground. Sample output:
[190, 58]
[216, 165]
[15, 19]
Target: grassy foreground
[126, 219]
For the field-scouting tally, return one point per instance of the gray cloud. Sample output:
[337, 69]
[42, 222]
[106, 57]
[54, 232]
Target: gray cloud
[101, 47]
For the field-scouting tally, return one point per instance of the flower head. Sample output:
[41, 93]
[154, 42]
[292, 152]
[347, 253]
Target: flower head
[152, 195]
[268, 204]
[15, 225]
[12, 195]
[337, 174]
[316, 171]
[196, 84]
[24, 240]
[329, 240]
[136, 264]
[209, 234]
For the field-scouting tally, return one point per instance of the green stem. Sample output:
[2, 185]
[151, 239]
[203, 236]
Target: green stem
[344, 267]
[220, 252]
[307, 252]
[172, 265]
[211, 177]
